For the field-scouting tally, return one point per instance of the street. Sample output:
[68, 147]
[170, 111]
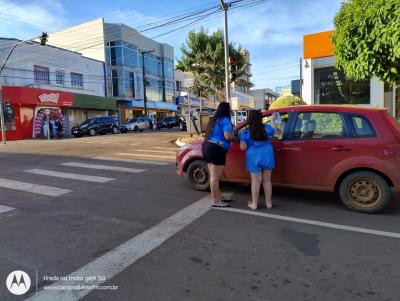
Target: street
[109, 211]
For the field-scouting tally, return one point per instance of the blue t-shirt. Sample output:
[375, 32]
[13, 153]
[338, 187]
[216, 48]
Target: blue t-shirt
[246, 137]
[221, 126]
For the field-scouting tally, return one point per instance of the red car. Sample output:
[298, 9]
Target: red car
[352, 150]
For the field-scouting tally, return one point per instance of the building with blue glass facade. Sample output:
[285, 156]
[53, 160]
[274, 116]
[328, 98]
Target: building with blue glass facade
[120, 46]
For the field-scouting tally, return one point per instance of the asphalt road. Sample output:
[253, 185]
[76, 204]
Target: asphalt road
[135, 231]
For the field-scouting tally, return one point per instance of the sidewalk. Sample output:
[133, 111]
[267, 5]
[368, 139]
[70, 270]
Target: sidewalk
[187, 139]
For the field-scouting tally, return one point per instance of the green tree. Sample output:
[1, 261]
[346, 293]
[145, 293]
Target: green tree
[366, 42]
[203, 56]
[286, 101]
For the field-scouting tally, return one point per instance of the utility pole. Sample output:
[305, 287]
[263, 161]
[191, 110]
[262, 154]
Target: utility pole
[144, 80]
[224, 7]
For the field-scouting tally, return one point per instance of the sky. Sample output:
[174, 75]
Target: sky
[272, 31]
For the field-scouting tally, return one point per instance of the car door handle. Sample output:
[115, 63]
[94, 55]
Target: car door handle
[340, 148]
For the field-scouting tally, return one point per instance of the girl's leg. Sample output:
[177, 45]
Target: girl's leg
[266, 180]
[256, 179]
[215, 174]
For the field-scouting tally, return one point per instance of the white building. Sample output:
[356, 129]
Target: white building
[48, 67]
[263, 97]
[324, 84]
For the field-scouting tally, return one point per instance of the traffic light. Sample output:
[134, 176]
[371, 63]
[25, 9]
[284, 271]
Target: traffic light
[43, 38]
[232, 69]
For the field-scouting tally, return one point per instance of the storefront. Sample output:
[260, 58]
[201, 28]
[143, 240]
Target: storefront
[323, 83]
[88, 106]
[155, 109]
[34, 113]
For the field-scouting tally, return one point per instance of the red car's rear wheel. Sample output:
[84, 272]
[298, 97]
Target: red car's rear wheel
[365, 191]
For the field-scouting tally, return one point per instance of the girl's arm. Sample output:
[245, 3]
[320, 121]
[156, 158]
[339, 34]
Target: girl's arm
[243, 145]
[230, 137]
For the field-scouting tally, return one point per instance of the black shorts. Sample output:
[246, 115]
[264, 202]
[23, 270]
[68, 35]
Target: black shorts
[214, 153]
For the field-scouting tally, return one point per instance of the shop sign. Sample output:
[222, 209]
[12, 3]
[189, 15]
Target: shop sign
[138, 83]
[49, 98]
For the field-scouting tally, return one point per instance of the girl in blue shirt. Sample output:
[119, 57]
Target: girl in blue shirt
[259, 156]
[217, 143]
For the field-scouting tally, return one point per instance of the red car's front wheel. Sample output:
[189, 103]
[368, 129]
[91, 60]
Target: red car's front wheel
[198, 175]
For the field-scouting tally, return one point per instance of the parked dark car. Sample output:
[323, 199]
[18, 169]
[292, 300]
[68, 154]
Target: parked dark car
[96, 125]
[168, 122]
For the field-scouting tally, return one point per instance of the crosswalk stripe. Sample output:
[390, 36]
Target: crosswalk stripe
[103, 167]
[146, 155]
[155, 151]
[130, 161]
[32, 188]
[67, 175]
[4, 209]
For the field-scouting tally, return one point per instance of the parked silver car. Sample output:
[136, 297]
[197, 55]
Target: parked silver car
[135, 124]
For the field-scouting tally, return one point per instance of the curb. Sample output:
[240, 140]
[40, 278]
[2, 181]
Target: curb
[179, 142]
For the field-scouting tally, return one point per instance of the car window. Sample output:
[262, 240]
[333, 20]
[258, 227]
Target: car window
[279, 127]
[362, 127]
[88, 121]
[319, 125]
[278, 135]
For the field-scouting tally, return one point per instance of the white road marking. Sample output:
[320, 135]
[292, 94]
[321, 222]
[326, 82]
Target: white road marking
[168, 148]
[155, 151]
[103, 167]
[115, 261]
[67, 175]
[131, 161]
[4, 209]
[313, 222]
[32, 188]
[144, 155]
[109, 141]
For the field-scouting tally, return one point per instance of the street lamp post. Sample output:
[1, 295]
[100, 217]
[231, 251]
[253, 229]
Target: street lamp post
[144, 80]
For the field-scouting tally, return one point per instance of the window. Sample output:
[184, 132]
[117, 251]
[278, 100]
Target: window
[76, 80]
[41, 74]
[319, 125]
[178, 85]
[128, 84]
[362, 127]
[60, 77]
[279, 127]
[332, 87]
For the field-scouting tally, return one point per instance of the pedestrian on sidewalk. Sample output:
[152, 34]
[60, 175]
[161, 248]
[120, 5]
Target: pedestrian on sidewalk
[217, 142]
[260, 159]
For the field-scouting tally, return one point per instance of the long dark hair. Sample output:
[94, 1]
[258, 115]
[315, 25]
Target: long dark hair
[223, 110]
[256, 127]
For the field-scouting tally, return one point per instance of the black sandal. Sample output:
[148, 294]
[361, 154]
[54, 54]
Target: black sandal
[221, 204]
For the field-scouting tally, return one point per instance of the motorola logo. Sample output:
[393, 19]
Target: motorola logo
[18, 282]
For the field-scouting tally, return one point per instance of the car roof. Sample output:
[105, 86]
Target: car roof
[335, 108]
